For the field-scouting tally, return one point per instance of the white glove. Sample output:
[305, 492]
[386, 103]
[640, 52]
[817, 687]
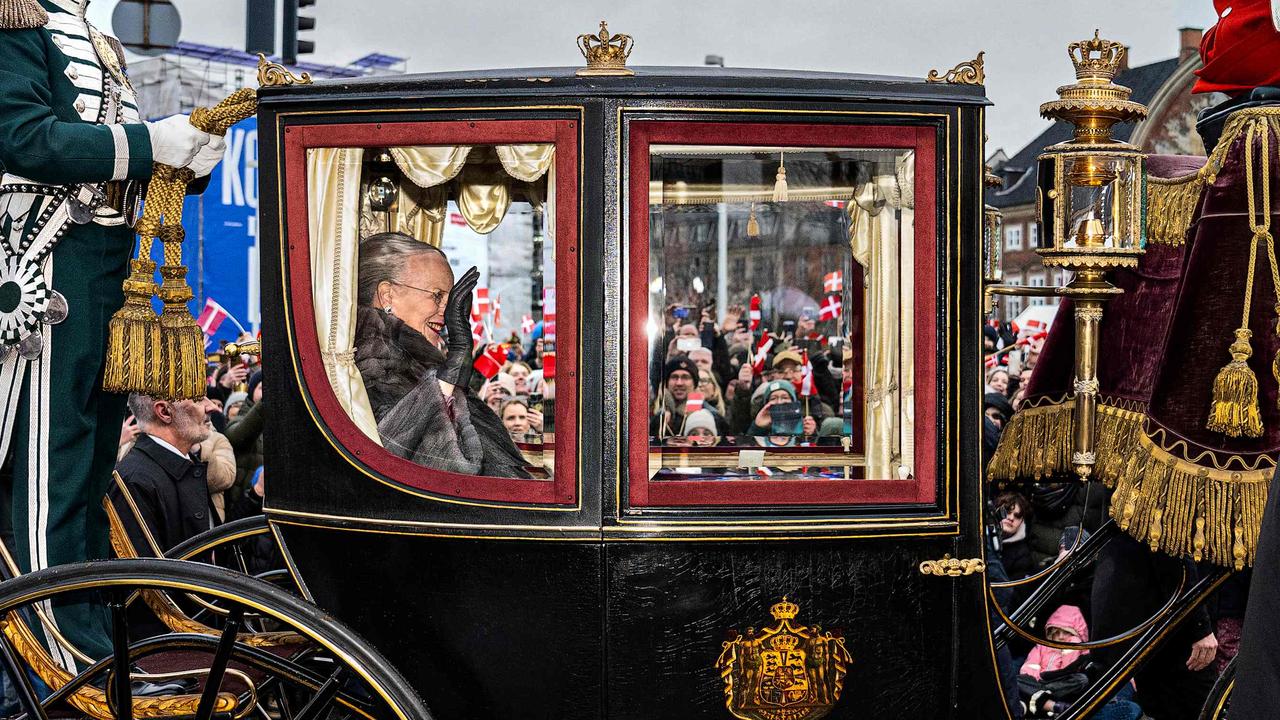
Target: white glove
[175, 141]
[209, 156]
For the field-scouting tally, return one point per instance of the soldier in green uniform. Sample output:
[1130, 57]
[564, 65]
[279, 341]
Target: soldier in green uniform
[73, 151]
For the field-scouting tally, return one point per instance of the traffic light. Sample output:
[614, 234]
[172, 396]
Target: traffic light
[260, 27]
[292, 47]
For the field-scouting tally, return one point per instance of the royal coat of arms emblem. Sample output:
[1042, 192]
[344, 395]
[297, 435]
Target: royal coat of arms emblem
[783, 672]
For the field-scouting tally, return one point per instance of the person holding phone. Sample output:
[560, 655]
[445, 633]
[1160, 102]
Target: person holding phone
[780, 401]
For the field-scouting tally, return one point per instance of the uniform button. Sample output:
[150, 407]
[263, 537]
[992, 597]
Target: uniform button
[79, 105]
[72, 72]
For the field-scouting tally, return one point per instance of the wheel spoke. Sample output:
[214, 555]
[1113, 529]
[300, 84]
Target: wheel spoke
[18, 676]
[319, 705]
[214, 682]
[120, 650]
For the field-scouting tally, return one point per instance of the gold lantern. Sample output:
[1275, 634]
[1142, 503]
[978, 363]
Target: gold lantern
[1089, 201]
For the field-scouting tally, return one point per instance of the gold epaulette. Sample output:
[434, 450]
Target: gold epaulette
[22, 15]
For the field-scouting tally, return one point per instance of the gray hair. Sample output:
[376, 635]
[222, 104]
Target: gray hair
[382, 259]
[143, 408]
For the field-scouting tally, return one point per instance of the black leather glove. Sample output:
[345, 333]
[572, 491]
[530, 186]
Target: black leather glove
[457, 319]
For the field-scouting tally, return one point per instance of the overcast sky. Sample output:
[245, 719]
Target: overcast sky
[1025, 40]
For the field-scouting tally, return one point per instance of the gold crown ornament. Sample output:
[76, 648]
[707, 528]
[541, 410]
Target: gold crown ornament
[606, 54]
[1094, 103]
[785, 610]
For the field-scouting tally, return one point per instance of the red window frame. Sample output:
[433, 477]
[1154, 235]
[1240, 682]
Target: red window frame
[562, 488]
[642, 492]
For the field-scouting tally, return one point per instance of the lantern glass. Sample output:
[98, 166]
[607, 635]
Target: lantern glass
[1100, 202]
[992, 247]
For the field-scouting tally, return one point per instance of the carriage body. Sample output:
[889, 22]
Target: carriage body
[612, 582]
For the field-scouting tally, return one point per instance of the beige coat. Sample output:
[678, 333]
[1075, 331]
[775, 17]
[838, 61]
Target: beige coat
[217, 453]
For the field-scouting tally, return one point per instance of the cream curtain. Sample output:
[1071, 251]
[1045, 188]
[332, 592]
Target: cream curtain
[483, 197]
[333, 191]
[873, 238]
[905, 178]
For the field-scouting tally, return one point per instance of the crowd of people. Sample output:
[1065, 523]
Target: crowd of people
[723, 383]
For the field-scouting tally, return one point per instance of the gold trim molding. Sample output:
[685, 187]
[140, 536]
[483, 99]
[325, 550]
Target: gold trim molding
[969, 72]
[271, 74]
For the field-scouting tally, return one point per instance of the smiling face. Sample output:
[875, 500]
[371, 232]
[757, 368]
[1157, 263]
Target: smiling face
[419, 295]
[520, 373]
[680, 384]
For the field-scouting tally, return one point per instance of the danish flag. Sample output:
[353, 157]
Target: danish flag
[491, 361]
[482, 301]
[497, 310]
[526, 324]
[805, 386]
[212, 316]
[833, 282]
[762, 353]
[830, 308]
[694, 403]
[754, 313]
[477, 326]
[548, 366]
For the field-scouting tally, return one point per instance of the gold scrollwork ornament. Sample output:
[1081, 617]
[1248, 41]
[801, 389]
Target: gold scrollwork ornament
[953, 567]
[272, 73]
[969, 72]
[783, 672]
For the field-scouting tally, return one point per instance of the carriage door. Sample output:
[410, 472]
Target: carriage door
[793, 460]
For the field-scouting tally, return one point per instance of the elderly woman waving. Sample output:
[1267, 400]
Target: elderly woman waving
[413, 347]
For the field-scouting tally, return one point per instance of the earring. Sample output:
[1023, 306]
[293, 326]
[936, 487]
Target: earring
[386, 309]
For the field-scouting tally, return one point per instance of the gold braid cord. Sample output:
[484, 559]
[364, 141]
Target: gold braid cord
[1235, 410]
[1183, 507]
[164, 356]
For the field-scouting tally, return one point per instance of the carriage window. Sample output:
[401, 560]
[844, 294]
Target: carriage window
[780, 313]
[468, 392]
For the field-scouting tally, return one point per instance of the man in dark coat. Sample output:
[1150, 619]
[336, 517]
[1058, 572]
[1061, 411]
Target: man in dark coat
[168, 489]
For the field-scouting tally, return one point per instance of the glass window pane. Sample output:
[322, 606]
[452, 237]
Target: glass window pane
[780, 313]
[415, 220]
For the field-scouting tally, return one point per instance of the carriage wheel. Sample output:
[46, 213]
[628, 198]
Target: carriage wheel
[325, 671]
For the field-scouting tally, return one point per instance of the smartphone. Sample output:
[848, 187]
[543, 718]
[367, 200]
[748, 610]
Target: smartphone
[688, 344]
[1015, 362]
[680, 312]
[535, 401]
[786, 419]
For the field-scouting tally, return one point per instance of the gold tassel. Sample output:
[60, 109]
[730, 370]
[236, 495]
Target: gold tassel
[1238, 551]
[1235, 409]
[1157, 529]
[183, 342]
[780, 182]
[22, 15]
[133, 334]
[1197, 543]
[753, 225]
[1130, 505]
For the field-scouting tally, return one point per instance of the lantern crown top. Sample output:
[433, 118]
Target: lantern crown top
[1094, 103]
[1096, 60]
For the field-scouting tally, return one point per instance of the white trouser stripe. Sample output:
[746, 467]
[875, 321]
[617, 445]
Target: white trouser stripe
[121, 168]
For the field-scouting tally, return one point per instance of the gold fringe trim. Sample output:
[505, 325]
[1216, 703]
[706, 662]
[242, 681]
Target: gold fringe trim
[1174, 505]
[1171, 202]
[22, 15]
[133, 334]
[1186, 510]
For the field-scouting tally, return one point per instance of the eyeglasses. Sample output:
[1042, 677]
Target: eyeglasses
[439, 296]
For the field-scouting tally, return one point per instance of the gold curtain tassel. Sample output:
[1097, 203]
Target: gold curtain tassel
[1237, 548]
[1130, 505]
[780, 182]
[753, 225]
[1235, 409]
[181, 339]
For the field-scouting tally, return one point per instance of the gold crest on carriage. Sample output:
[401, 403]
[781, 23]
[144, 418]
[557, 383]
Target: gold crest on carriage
[783, 672]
